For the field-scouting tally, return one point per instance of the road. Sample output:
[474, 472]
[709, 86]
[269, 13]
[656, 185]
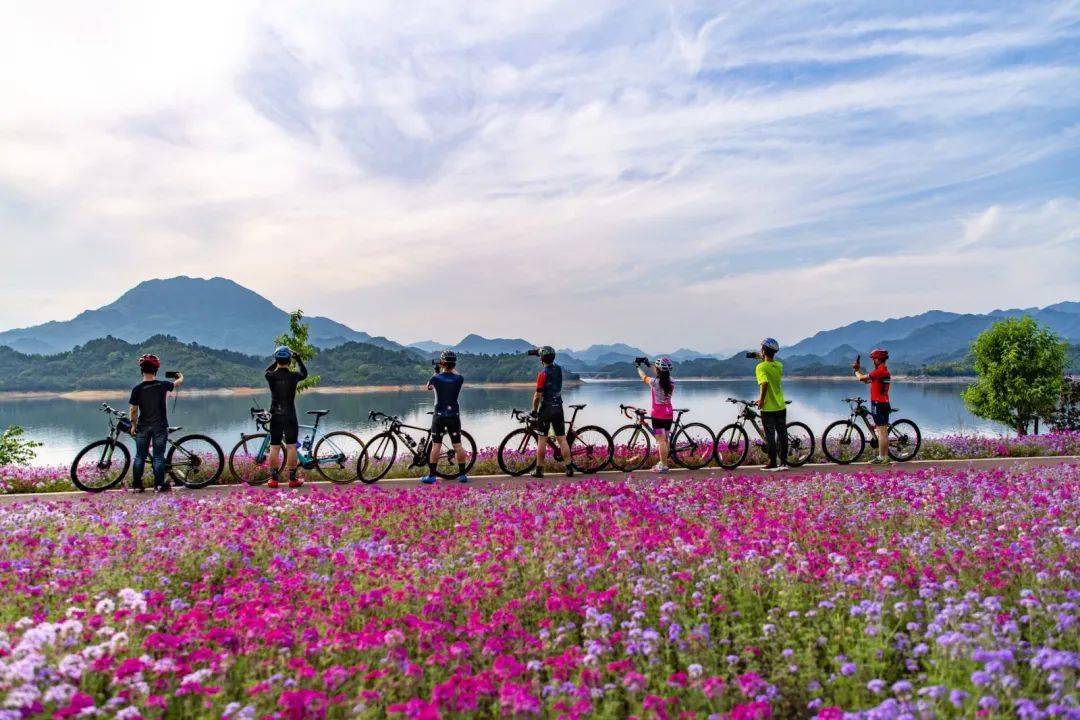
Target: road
[615, 476]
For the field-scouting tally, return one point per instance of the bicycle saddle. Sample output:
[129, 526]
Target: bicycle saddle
[577, 407]
[318, 413]
[894, 409]
[682, 409]
[178, 428]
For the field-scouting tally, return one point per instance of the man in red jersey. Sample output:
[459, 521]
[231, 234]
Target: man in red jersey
[879, 380]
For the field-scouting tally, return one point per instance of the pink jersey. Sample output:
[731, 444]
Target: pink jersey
[661, 401]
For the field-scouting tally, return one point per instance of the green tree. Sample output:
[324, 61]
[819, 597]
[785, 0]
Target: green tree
[297, 341]
[14, 450]
[1019, 365]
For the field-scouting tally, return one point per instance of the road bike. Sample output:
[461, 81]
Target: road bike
[334, 456]
[193, 461]
[733, 442]
[590, 445]
[844, 441]
[380, 454]
[691, 444]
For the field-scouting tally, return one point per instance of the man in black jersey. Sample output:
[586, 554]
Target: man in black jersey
[284, 425]
[547, 408]
[446, 418]
[150, 422]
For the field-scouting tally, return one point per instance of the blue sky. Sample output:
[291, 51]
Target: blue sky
[667, 174]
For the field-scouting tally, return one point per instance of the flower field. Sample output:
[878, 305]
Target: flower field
[898, 595]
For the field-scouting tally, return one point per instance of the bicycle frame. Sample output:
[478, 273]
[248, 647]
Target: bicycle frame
[419, 448]
[550, 434]
[303, 449]
[642, 416]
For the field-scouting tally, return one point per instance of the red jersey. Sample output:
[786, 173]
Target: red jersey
[879, 384]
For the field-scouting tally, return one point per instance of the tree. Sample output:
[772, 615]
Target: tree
[1019, 365]
[297, 341]
[14, 450]
[1066, 416]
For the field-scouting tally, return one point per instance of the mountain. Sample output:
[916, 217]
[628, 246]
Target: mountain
[864, 333]
[427, 346]
[683, 354]
[478, 345]
[606, 354]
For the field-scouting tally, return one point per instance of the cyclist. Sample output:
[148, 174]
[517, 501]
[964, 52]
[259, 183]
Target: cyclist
[150, 422]
[447, 416]
[662, 413]
[284, 426]
[769, 373]
[879, 380]
[547, 409]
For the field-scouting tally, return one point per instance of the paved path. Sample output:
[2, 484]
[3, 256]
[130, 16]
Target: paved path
[614, 475]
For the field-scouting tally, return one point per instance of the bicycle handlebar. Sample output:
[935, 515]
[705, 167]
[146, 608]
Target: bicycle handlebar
[376, 415]
[627, 408]
[106, 409]
[856, 400]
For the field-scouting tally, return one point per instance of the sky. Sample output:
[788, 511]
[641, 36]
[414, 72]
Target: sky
[665, 174]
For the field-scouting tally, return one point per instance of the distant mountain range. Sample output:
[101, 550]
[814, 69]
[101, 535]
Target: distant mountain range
[219, 314]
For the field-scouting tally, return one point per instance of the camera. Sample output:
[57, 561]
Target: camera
[641, 361]
[535, 352]
[753, 355]
[172, 374]
[434, 362]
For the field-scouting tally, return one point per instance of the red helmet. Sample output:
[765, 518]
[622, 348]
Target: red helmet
[149, 363]
[879, 354]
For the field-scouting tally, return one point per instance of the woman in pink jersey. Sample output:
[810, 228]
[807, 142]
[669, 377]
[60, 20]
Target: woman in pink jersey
[662, 388]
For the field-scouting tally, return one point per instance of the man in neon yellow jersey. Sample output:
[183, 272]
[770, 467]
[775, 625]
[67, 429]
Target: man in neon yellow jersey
[769, 373]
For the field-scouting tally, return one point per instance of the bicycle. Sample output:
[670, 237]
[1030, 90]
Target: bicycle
[193, 461]
[590, 446]
[691, 444]
[733, 442]
[334, 457]
[844, 442]
[380, 454]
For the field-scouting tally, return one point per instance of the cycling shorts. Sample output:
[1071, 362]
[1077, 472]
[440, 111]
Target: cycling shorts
[284, 427]
[450, 424]
[880, 412]
[661, 425]
[551, 417]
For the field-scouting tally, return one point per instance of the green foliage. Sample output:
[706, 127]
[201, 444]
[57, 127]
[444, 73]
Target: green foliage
[1019, 365]
[297, 341]
[1066, 416]
[14, 450]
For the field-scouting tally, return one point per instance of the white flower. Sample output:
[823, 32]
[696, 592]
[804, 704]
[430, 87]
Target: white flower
[72, 666]
[132, 600]
[104, 606]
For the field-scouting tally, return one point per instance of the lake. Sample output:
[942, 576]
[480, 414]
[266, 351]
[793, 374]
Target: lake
[65, 425]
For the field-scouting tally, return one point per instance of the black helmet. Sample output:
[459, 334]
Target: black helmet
[547, 353]
[448, 356]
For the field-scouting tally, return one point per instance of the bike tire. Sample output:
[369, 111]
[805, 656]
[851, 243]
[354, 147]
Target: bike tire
[903, 439]
[196, 461]
[517, 452]
[636, 446]
[593, 453]
[84, 482]
[835, 434]
[732, 446]
[340, 462]
[244, 464]
[379, 455]
[693, 446]
[447, 466]
[803, 441]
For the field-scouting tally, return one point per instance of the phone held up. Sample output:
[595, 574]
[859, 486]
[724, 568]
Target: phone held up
[535, 352]
[753, 355]
[641, 361]
[172, 374]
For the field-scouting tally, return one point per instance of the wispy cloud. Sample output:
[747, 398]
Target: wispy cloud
[587, 167]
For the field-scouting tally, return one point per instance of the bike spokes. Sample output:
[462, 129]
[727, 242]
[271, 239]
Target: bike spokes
[590, 449]
[195, 461]
[337, 456]
[378, 457]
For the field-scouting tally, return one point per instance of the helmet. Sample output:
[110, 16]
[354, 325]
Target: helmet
[283, 353]
[879, 354]
[547, 353]
[664, 363]
[771, 344]
[448, 356]
[149, 363]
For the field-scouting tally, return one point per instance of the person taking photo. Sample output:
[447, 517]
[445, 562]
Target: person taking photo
[547, 408]
[769, 373]
[284, 425]
[446, 419]
[150, 422]
[879, 379]
[662, 387]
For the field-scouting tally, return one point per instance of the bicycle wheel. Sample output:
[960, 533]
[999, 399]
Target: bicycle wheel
[631, 446]
[517, 452]
[693, 447]
[732, 446]
[195, 461]
[800, 443]
[337, 456]
[447, 467]
[97, 467]
[904, 440]
[590, 449]
[376, 459]
[249, 460]
[843, 442]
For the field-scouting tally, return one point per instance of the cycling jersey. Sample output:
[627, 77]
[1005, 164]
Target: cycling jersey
[770, 371]
[149, 397]
[880, 379]
[283, 382]
[549, 385]
[447, 387]
[661, 401]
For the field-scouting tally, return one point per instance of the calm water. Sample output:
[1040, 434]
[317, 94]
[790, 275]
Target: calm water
[66, 425]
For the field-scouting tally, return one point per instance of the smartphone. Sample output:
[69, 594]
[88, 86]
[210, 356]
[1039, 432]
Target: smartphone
[858, 359]
[753, 355]
[172, 374]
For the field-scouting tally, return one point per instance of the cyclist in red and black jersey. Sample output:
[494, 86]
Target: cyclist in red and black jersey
[879, 380]
[547, 407]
